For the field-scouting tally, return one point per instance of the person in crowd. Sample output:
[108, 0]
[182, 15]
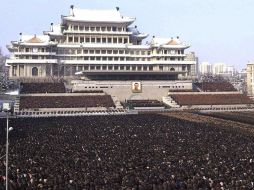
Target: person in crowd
[131, 152]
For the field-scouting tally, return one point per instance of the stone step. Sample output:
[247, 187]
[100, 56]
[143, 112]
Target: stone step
[170, 102]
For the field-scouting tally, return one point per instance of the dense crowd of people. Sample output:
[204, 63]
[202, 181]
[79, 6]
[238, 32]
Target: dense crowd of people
[145, 103]
[219, 86]
[139, 152]
[211, 99]
[243, 117]
[182, 90]
[31, 102]
[88, 91]
[45, 87]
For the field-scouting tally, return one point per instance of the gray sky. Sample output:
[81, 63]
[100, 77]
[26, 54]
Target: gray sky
[218, 30]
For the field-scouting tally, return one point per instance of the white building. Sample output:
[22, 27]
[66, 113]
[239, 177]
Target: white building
[243, 74]
[224, 69]
[194, 68]
[229, 70]
[250, 78]
[218, 68]
[99, 44]
[205, 68]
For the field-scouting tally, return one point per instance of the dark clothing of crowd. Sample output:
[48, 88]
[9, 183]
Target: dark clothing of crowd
[135, 152]
[215, 86]
[46, 87]
[30, 102]
[145, 103]
[88, 91]
[211, 99]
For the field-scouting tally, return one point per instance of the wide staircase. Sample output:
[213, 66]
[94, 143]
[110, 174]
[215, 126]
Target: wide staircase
[117, 102]
[251, 97]
[170, 102]
[195, 87]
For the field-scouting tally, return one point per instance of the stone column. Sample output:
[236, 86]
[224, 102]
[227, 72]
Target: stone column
[10, 70]
[17, 73]
[25, 72]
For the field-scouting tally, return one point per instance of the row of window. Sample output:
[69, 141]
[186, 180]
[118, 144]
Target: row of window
[100, 58]
[92, 39]
[35, 57]
[114, 67]
[70, 70]
[172, 51]
[171, 86]
[97, 28]
[36, 49]
[122, 67]
[93, 58]
[98, 51]
[115, 52]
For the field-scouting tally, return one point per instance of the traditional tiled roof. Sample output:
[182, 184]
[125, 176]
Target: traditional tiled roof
[173, 42]
[159, 41]
[97, 16]
[34, 39]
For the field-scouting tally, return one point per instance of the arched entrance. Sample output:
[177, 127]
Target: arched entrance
[34, 71]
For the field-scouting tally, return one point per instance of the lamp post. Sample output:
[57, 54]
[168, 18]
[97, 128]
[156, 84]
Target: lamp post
[6, 109]
[7, 150]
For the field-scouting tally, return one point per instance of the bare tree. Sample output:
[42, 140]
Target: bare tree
[3, 74]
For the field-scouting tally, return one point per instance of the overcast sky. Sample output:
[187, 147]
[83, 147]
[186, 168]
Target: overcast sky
[218, 30]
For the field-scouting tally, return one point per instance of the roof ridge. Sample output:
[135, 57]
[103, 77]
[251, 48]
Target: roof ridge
[35, 39]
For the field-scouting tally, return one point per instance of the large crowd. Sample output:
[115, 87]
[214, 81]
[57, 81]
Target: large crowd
[135, 152]
[145, 103]
[243, 117]
[45, 87]
[211, 99]
[219, 86]
[88, 91]
[31, 102]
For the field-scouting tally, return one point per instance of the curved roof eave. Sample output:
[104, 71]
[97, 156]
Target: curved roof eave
[172, 46]
[126, 21]
[141, 36]
[176, 46]
[54, 34]
[37, 44]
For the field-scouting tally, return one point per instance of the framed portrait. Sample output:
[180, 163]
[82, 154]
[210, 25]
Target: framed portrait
[136, 87]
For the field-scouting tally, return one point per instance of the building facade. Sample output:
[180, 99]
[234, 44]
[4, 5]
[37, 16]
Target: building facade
[101, 45]
[250, 78]
[218, 68]
[195, 67]
[205, 68]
